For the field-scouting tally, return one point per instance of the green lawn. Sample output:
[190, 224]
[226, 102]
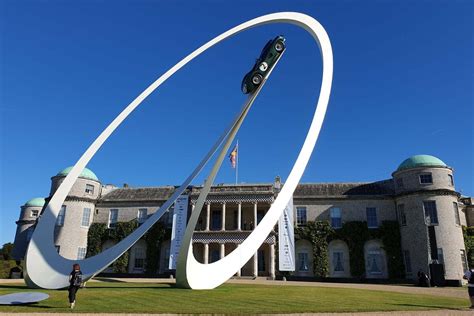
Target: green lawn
[228, 299]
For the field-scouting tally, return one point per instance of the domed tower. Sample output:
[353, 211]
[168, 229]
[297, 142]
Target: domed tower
[28, 215]
[430, 226]
[75, 217]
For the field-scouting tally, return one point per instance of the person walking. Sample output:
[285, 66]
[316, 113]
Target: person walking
[75, 282]
[469, 276]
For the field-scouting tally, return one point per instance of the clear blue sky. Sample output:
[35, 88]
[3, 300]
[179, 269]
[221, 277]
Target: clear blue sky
[403, 85]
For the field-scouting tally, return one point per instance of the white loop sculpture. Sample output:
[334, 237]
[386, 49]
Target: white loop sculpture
[45, 268]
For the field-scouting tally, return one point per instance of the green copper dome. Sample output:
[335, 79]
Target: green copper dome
[421, 161]
[86, 173]
[37, 202]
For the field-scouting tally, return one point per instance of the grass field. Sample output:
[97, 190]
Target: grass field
[102, 297]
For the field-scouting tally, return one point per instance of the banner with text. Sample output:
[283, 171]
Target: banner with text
[180, 216]
[286, 239]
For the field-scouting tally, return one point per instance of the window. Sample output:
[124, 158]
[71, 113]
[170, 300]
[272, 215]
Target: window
[337, 257]
[86, 217]
[34, 213]
[431, 214]
[407, 259]
[260, 215]
[464, 260]
[371, 217]
[426, 178]
[374, 261]
[400, 183]
[139, 263]
[141, 216]
[261, 261]
[215, 256]
[303, 261]
[301, 216]
[61, 216]
[451, 179]
[457, 220]
[440, 256]
[216, 223]
[89, 189]
[81, 253]
[401, 215]
[336, 220]
[57, 248]
[113, 218]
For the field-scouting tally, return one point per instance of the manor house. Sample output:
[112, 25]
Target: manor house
[420, 196]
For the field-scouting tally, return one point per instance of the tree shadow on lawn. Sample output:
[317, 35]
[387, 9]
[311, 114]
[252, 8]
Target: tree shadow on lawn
[432, 306]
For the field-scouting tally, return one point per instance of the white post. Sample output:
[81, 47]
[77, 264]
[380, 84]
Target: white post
[223, 216]
[206, 253]
[254, 215]
[208, 216]
[255, 264]
[272, 261]
[222, 251]
[239, 216]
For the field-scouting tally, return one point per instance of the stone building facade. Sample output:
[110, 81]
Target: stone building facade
[420, 195]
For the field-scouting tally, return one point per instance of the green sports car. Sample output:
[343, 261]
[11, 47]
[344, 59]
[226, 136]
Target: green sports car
[270, 54]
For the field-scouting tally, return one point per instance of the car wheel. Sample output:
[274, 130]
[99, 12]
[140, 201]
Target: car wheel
[257, 79]
[279, 46]
[263, 66]
[244, 88]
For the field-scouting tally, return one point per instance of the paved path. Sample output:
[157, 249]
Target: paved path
[421, 313]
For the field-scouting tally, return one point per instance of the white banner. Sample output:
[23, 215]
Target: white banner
[180, 216]
[286, 239]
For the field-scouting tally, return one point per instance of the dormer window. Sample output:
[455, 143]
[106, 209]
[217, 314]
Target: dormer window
[89, 189]
[426, 178]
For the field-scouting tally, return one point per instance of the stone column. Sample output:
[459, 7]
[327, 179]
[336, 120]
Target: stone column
[239, 216]
[254, 215]
[255, 264]
[239, 272]
[223, 216]
[272, 261]
[206, 253]
[208, 215]
[222, 252]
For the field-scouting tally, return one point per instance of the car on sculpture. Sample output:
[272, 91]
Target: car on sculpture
[268, 57]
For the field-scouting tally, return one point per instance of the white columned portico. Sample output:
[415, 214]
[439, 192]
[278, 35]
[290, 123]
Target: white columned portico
[254, 215]
[222, 251]
[272, 261]
[223, 216]
[206, 253]
[239, 216]
[255, 265]
[208, 215]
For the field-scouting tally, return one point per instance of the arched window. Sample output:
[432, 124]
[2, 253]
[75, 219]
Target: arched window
[339, 266]
[375, 260]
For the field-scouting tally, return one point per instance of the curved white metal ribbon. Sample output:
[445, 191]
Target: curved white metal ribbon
[45, 268]
[191, 273]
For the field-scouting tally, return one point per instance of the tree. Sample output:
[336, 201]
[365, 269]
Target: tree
[6, 251]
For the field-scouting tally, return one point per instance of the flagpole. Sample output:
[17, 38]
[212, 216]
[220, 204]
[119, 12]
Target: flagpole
[237, 163]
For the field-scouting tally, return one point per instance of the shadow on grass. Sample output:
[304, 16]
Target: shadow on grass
[130, 287]
[17, 287]
[432, 306]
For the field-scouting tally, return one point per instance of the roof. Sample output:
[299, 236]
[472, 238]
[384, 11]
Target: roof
[86, 173]
[36, 202]
[139, 194]
[421, 161]
[344, 189]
